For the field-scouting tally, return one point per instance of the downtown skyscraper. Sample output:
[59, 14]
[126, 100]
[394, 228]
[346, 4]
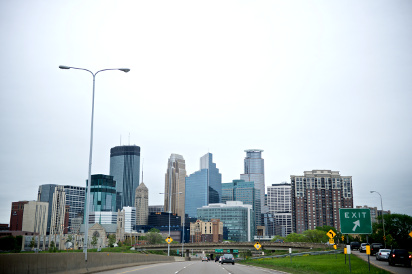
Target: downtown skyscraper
[174, 184]
[254, 171]
[203, 187]
[125, 169]
[316, 198]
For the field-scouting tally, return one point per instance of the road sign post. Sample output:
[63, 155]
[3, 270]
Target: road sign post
[355, 221]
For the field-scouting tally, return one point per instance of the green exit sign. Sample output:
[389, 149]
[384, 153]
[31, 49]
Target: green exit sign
[218, 250]
[355, 221]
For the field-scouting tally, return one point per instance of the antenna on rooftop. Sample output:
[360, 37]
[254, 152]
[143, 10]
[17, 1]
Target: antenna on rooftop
[142, 169]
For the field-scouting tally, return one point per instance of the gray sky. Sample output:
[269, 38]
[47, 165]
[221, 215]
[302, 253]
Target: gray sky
[315, 84]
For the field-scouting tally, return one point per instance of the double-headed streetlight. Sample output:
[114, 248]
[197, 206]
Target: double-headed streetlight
[383, 221]
[86, 223]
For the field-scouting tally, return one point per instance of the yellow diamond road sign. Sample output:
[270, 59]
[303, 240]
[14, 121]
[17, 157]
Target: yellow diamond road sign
[331, 234]
[410, 234]
[169, 240]
[257, 245]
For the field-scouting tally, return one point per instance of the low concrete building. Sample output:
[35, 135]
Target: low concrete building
[211, 232]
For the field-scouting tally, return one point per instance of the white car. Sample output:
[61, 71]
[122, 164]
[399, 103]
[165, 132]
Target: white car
[362, 247]
[383, 254]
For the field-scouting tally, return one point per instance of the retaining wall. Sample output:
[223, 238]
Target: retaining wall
[74, 262]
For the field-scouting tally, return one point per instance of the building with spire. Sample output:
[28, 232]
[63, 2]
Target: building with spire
[175, 185]
[142, 204]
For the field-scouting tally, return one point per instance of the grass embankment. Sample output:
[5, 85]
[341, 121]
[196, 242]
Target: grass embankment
[316, 264]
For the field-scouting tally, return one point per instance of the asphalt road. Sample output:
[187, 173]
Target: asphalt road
[399, 269]
[191, 267]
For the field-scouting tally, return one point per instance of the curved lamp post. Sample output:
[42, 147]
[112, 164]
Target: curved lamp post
[383, 222]
[86, 223]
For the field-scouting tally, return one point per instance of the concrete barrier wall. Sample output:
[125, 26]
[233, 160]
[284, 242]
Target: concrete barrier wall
[74, 262]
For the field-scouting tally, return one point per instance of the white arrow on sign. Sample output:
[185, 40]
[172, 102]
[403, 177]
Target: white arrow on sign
[357, 223]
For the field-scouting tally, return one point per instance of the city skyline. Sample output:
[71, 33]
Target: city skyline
[316, 86]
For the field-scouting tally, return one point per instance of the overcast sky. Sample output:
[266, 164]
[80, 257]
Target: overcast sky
[315, 84]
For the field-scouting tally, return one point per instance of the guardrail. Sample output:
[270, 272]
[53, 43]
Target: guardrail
[295, 254]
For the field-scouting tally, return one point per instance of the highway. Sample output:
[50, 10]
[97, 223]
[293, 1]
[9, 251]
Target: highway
[399, 269]
[191, 267]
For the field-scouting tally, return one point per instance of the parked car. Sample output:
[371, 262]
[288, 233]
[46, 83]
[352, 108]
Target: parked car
[375, 248]
[217, 258]
[204, 259]
[362, 247]
[354, 245]
[228, 258]
[382, 254]
[220, 259]
[400, 256]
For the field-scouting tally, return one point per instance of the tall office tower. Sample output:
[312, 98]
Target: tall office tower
[239, 190]
[279, 205]
[236, 217]
[75, 196]
[175, 183]
[255, 172]
[102, 194]
[45, 194]
[58, 214]
[35, 217]
[142, 204]
[204, 186]
[124, 167]
[16, 216]
[316, 198]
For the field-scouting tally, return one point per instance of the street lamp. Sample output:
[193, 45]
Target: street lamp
[383, 221]
[86, 223]
[170, 212]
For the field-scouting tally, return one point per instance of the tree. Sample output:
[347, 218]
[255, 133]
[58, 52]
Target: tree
[32, 243]
[295, 237]
[398, 226]
[315, 236]
[154, 237]
[52, 247]
[112, 240]
[8, 243]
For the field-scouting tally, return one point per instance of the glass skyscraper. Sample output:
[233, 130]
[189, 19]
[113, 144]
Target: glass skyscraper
[103, 193]
[236, 217]
[255, 172]
[239, 190]
[204, 186]
[125, 169]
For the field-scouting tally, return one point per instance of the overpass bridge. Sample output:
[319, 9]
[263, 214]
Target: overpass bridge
[210, 247]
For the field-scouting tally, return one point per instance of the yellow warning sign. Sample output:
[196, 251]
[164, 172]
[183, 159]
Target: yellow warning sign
[169, 240]
[257, 245]
[331, 234]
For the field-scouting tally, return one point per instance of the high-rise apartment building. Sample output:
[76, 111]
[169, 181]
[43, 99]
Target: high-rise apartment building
[279, 205]
[16, 215]
[129, 218]
[125, 169]
[142, 204]
[316, 198]
[235, 216]
[239, 190]
[254, 171]
[57, 224]
[175, 185]
[204, 186]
